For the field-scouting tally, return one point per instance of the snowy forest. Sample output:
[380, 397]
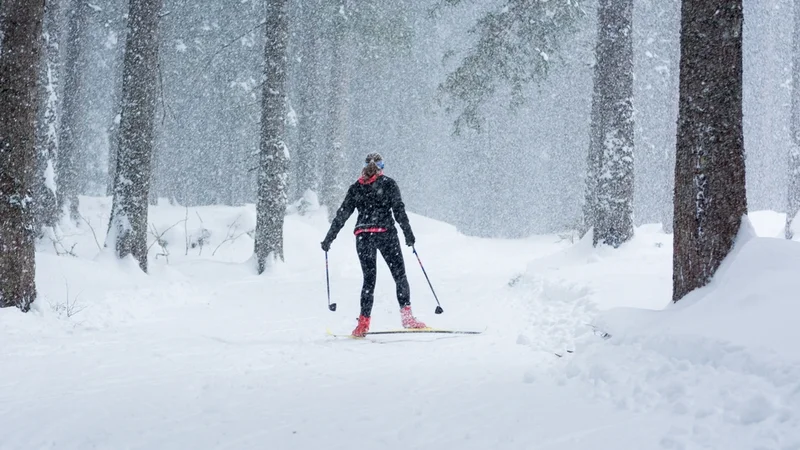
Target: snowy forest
[660, 133]
[489, 129]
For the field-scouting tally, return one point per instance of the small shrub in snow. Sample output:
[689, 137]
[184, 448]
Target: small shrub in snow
[57, 239]
[69, 307]
[199, 238]
[233, 234]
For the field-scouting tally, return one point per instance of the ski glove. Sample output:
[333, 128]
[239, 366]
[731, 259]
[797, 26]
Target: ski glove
[326, 245]
[410, 241]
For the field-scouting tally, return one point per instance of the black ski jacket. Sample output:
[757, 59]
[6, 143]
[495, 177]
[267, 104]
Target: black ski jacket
[375, 201]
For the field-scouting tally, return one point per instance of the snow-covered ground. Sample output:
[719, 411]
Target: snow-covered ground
[204, 354]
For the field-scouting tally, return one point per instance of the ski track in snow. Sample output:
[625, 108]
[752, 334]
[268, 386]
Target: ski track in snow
[204, 354]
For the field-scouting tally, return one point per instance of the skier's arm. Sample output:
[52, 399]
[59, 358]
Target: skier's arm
[342, 214]
[399, 210]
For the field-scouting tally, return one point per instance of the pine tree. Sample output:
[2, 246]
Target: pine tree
[518, 40]
[21, 29]
[610, 166]
[657, 51]
[710, 195]
[310, 107]
[334, 186]
[46, 205]
[793, 194]
[68, 152]
[128, 225]
[119, 24]
[273, 156]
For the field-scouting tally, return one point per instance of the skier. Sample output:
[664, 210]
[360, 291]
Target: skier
[376, 197]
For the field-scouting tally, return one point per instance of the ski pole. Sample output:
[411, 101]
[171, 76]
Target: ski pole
[439, 309]
[331, 306]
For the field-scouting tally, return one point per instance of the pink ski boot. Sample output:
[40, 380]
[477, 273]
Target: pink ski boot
[363, 327]
[409, 321]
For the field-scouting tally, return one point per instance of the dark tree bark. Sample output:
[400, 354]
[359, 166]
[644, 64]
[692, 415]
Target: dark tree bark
[793, 197]
[128, 227]
[609, 203]
[68, 152]
[21, 27]
[334, 187]
[45, 200]
[710, 196]
[274, 156]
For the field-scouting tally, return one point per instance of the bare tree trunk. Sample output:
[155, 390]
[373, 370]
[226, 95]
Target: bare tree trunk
[793, 197]
[274, 156]
[21, 28]
[593, 162]
[669, 19]
[68, 152]
[667, 179]
[116, 99]
[46, 204]
[710, 195]
[309, 101]
[128, 226]
[113, 149]
[334, 185]
[610, 169]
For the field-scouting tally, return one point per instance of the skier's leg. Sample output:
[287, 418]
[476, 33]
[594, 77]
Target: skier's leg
[367, 254]
[393, 255]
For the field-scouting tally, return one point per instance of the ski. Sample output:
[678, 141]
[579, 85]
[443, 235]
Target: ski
[408, 331]
[423, 330]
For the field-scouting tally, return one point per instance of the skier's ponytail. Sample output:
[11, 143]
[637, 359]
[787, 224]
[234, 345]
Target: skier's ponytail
[373, 165]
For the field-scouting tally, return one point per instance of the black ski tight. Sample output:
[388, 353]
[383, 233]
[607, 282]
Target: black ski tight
[367, 246]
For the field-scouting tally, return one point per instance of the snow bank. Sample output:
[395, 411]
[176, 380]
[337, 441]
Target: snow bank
[724, 358]
[751, 302]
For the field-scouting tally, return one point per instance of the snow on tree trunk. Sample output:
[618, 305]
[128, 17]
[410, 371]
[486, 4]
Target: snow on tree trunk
[128, 227]
[45, 200]
[68, 152]
[710, 195]
[333, 178]
[609, 203]
[21, 29]
[274, 156]
[793, 196]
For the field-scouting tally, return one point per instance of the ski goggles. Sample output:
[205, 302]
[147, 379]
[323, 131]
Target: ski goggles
[377, 163]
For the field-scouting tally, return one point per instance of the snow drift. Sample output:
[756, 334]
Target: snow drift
[724, 359]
